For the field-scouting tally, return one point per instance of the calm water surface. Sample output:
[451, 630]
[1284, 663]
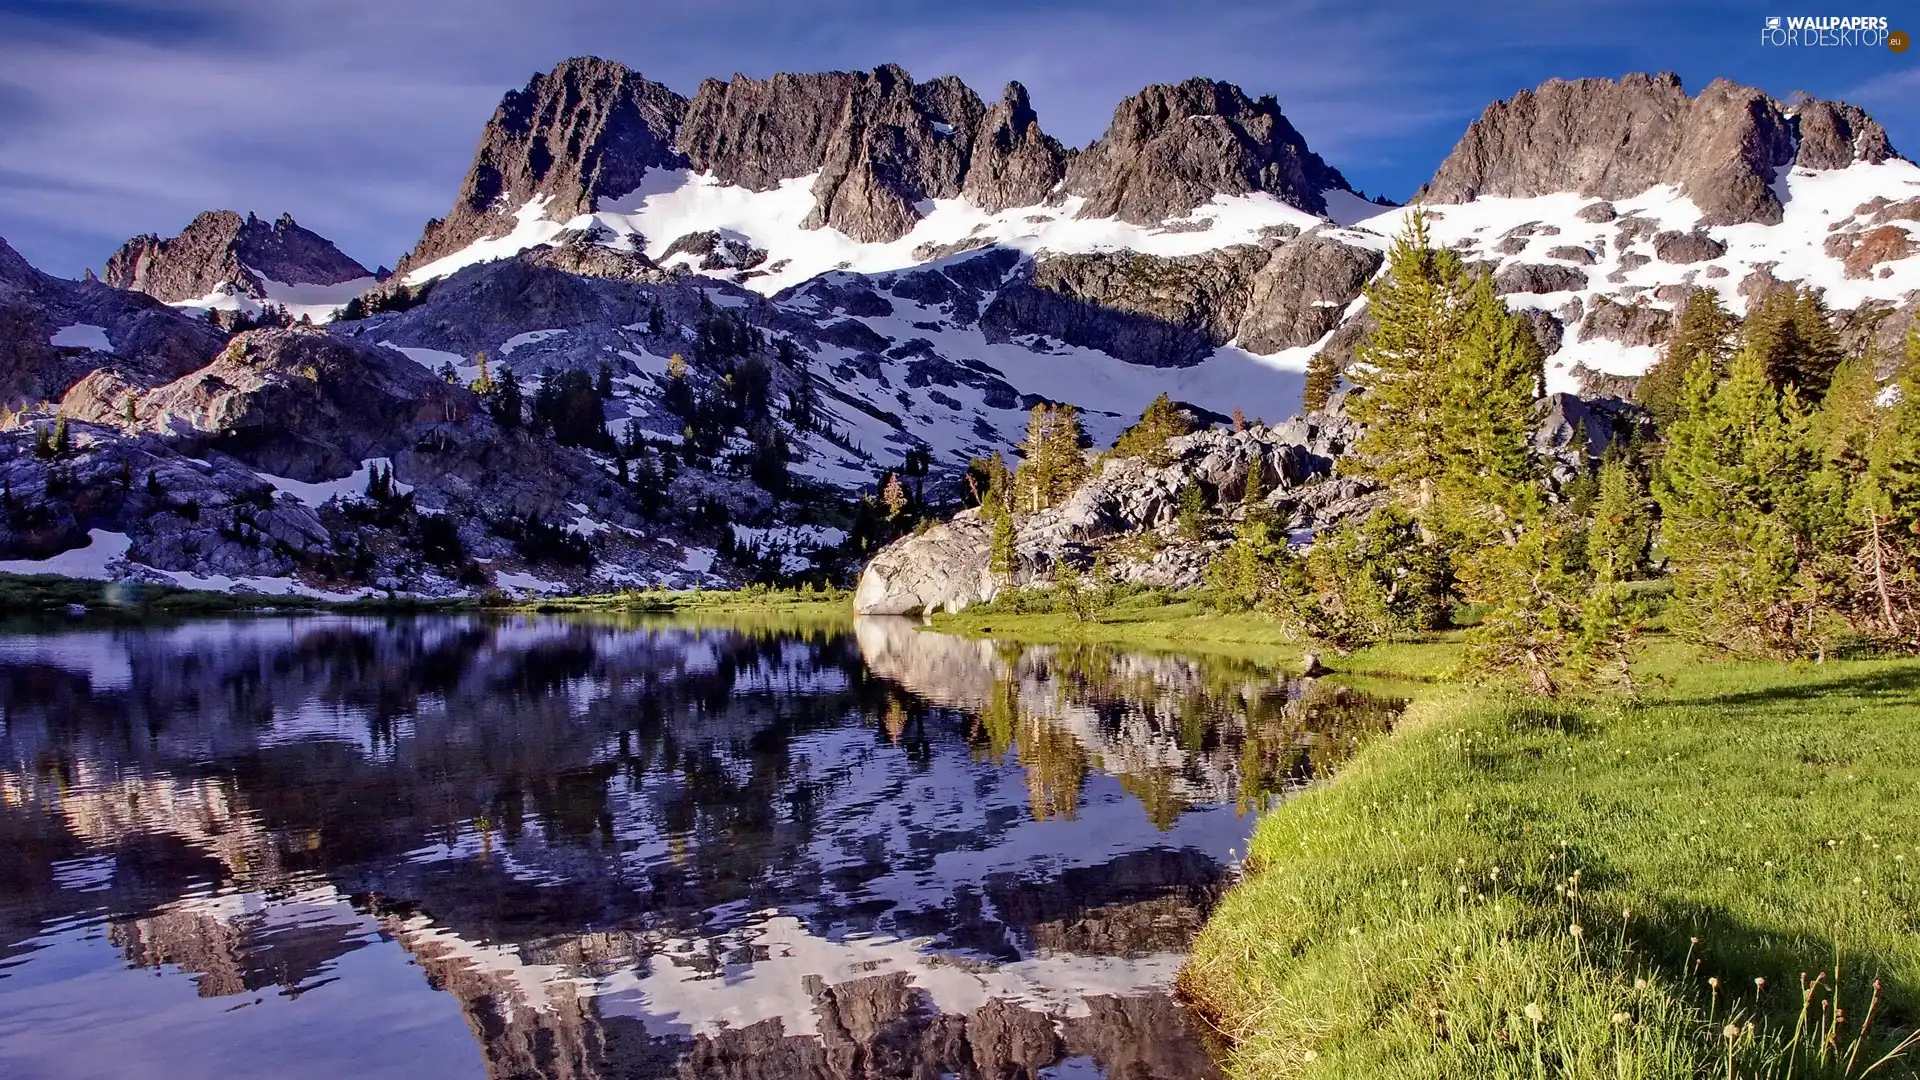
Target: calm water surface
[541, 847]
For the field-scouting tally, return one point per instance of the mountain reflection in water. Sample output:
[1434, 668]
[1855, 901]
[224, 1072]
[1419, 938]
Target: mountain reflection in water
[543, 847]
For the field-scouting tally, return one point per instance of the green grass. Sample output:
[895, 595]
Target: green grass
[31, 594]
[667, 601]
[1413, 917]
[1157, 622]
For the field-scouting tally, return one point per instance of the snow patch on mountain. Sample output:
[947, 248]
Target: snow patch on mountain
[354, 483]
[318, 303]
[1626, 266]
[671, 204]
[81, 336]
[103, 549]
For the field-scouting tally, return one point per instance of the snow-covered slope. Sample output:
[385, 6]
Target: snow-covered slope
[1828, 214]
[318, 303]
[673, 204]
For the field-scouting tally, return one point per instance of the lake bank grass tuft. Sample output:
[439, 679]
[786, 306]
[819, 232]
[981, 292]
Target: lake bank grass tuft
[1719, 880]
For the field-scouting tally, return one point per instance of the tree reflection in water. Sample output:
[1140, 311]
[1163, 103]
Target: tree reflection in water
[622, 848]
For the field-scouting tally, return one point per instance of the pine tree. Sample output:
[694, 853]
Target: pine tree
[1052, 464]
[893, 496]
[1417, 306]
[1487, 389]
[1366, 581]
[656, 325]
[1746, 529]
[1192, 512]
[1704, 330]
[1791, 332]
[603, 385]
[1323, 378]
[507, 405]
[1147, 438]
[1004, 558]
[483, 384]
[1622, 530]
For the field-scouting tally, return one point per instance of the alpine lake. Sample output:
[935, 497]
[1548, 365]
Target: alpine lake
[567, 847]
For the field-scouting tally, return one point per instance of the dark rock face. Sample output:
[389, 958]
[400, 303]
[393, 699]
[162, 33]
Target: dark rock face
[219, 248]
[1679, 247]
[1303, 291]
[1172, 148]
[1014, 163]
[1834, 135]
[1572, 253]
[1616, 139]
[146, 339]
[1140, 308]
[880, 142]
[1539, 278]
[587, 130]
[1546, 329]
[1628, 324]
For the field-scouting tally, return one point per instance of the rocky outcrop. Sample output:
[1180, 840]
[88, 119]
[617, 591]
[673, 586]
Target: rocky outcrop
[880, 142]
[1303, 291]
[587, 130]
[1171, 148]
[1628, 324]
[1539, 278]
[1686, 247]
[221, 248]
[1145, 309]
[54, 331]
[946, 567]
[1014, 163]
[941, 569]
[1615, 139]
[1834, 135]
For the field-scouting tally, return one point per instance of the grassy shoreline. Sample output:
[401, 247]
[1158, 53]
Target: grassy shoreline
[53, 594]
[1414, 916]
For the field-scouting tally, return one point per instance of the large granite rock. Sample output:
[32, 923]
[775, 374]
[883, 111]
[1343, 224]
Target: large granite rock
[1615, 139]
[1303, 291]
[941, 569]
[221, 248]
[1145, 309]
[1171, 148]
[946, 567]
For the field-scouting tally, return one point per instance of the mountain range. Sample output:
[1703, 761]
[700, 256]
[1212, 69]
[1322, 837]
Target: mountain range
[734, 314]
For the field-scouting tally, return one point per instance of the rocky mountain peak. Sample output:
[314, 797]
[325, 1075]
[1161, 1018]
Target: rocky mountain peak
[1014, 163]
[587, 130]
[1171, 148]
[1615, 139]
[879, 142]
[220, 247]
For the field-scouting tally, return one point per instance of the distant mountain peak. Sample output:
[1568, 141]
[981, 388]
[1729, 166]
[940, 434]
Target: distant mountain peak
[1616, 138]
[221, 247]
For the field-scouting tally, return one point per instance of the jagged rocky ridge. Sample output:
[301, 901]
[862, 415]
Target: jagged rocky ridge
[222, 249]
[877, 145]
[1037, 273]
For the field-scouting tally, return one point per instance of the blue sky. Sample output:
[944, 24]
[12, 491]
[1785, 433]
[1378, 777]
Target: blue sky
[360, 116]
